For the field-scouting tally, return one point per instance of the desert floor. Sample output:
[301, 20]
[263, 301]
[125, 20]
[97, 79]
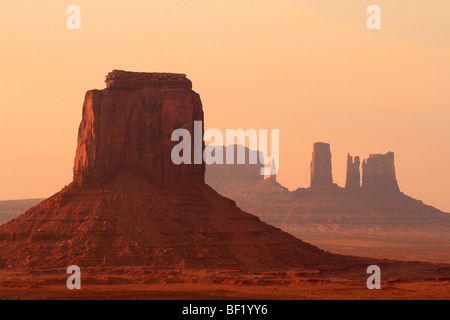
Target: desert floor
[138, 283]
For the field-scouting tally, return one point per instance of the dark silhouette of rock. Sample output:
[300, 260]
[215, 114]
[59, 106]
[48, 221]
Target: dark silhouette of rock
[321, 175]
[353, 180]
[229, 177]
[378, 173]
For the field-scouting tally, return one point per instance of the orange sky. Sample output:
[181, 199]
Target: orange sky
[310, 68]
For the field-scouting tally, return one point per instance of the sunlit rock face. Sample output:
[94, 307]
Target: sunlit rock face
[127, 127]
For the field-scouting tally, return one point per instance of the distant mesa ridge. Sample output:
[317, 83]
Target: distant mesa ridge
[343, 218]
[242, 175]
[378, 173]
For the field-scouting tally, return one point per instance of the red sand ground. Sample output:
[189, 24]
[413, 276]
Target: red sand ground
[136, 283]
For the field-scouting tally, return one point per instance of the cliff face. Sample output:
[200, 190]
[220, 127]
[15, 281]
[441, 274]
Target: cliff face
[321, 175]
[127, 127]
[353, 180]
[378, 173]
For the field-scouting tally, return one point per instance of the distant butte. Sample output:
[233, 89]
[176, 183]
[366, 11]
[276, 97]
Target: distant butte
[378, 173]
[345, 219]
[321, 175]
[353, 179]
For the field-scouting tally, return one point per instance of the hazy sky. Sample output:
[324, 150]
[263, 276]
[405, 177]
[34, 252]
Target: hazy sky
[310, 68]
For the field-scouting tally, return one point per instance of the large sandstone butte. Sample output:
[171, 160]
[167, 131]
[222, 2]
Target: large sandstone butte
[128, 205]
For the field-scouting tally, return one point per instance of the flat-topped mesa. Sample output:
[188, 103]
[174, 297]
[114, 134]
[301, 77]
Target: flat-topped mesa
[225, 177]
[119, 79]
[378, 173]
[353, 180]
[321, 175]
[129, 129]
